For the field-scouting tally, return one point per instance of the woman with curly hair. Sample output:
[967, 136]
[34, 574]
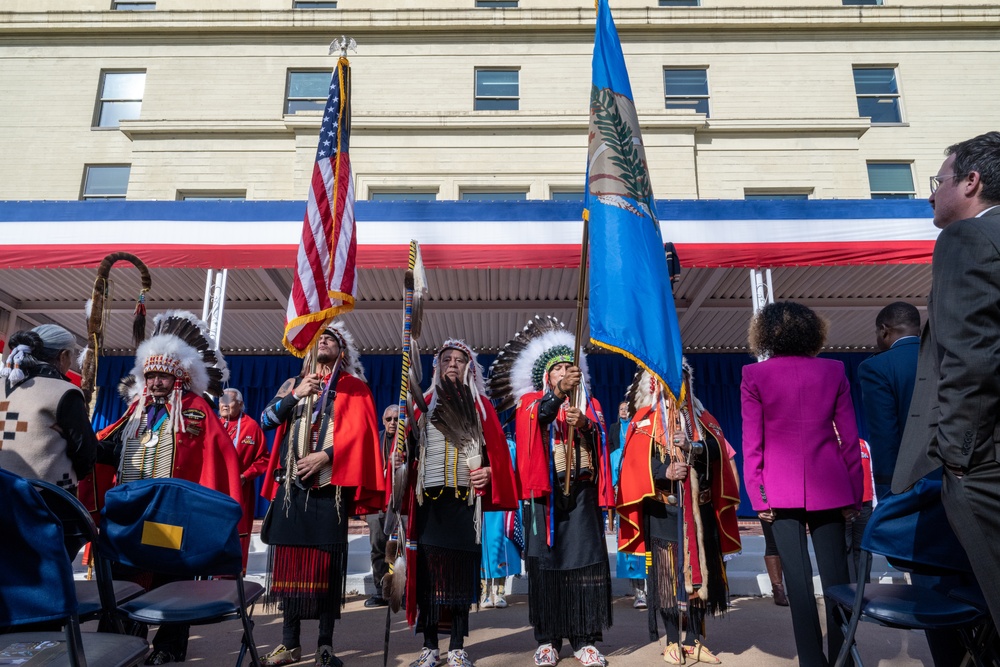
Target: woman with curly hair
[801, 460]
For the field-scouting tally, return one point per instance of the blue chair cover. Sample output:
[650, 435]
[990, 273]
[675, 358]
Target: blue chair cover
[36, 576]
[912, 531]
[172, 526]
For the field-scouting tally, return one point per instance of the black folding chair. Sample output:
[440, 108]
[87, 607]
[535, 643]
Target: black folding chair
[97, 598]
[912, 532]
[179, 528]
[37, 589]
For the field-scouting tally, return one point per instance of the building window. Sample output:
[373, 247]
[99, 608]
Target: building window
[202, 195]
[496, 89]
[313, 4]
[403, 195]
[493, 195]
[307, 91]
[567, 194]
[891, 180]
[775, 196]
[119, 98]
[105, 181]
[853, 3]
[496, 3]
[878, 94]
[679, 3]
[133, 6]
[686, 89]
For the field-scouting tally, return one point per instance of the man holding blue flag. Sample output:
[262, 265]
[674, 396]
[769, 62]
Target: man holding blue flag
[565, 481]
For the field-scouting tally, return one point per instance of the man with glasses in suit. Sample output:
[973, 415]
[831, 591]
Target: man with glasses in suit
[955, 412]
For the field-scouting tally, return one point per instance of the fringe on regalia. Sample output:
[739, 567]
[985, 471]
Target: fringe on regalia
[306, 580]
[447, 580]
[566, 603]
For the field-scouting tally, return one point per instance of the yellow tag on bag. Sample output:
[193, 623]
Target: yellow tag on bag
[162, 535]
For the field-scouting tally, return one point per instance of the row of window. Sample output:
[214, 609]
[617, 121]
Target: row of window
[120, 94]
[683, 88]
[328, 4]
[888, 180]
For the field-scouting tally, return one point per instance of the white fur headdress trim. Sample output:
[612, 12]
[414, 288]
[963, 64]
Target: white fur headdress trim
[522, 370]
[349, 349]
[172, 349]
[645, 394]
[167, 346]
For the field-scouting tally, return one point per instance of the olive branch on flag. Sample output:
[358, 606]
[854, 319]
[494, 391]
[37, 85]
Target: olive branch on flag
[617, 135]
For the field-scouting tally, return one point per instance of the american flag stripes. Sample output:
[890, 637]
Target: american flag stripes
[325, 269]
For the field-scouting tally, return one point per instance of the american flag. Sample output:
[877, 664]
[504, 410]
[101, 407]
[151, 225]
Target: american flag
[325, 271]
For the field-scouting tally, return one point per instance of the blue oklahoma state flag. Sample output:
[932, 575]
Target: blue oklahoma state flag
[631, 303]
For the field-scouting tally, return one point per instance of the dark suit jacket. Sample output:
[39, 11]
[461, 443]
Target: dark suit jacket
[614, 435]
[886, 381]
[955, 412]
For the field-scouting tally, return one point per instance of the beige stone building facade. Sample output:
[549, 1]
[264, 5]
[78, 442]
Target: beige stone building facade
[191, 98]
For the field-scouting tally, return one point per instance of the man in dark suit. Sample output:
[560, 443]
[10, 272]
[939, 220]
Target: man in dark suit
[955, 413]
[887, 386]
[887, 380]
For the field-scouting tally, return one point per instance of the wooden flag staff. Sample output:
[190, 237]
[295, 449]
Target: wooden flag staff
[581, 294]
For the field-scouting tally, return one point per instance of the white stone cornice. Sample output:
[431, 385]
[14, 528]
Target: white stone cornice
[134, 129]
[853, 127]
[651, 119]
[385, 21]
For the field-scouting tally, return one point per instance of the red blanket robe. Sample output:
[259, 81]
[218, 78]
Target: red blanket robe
[204, 453]
[636, 484]
[501, 494]
[357, 455]
[534, 452]
[251, 450]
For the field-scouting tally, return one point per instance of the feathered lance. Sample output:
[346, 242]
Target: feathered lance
[394, 582]
[97, 313]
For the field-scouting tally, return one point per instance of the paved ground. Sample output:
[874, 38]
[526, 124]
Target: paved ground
[755, 633]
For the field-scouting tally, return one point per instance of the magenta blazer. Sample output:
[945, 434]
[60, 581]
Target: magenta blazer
[791, 455]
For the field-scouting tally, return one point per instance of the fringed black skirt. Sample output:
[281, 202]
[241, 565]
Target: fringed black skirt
[307, 561]
[448, 558]
[570, 582]
[663, 577]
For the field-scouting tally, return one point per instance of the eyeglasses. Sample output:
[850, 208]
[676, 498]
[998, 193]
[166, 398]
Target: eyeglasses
[391, 419]
[936, 181]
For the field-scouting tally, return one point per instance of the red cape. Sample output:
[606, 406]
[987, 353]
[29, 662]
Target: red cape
[502, 494]
[251, 451]
[636, 483]
[203, 453]
[533, 452]
[356, 452]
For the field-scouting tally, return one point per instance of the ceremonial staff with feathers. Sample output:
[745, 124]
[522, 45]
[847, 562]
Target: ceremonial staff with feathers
[97, 312]
[394, 582]
[93, 487]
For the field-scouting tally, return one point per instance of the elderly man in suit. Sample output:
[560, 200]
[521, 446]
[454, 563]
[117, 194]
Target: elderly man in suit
[955, 413]
[887, 385]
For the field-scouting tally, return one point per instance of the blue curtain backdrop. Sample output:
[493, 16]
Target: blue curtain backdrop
[717, 384]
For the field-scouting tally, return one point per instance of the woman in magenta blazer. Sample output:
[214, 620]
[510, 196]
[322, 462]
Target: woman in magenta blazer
[801, 461]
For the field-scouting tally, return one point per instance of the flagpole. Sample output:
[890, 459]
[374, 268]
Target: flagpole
[581, 294]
